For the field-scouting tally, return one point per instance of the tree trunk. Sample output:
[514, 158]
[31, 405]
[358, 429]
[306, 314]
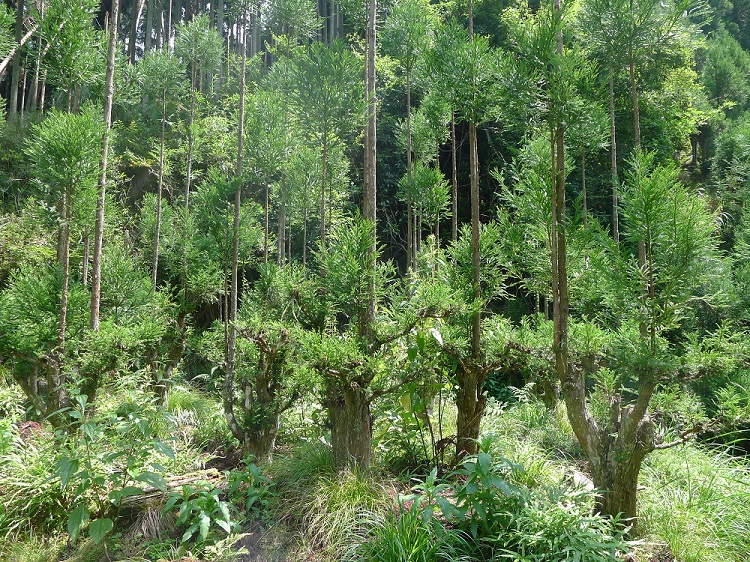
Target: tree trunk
[469, 400]
[85, 260]
[15, 71]
[454, 181]
[265, 222]
[96, 273]
[411, 249]
[351, 424]
[57, 397]
[159, 190]
[613, 154]
[470, 403]
[323, 165]
[34, 89]
[137, 10]
[191, 140]
[281, 235]
[367, 319]
[151, 8]
[228, 388]
[634, 93]
[583, 190]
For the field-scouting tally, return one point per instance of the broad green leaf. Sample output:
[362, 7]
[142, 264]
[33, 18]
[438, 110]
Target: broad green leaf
[164, 449]
[67, 467]
[152, 479]
[204, 522]
[99, 529]
[77, 519]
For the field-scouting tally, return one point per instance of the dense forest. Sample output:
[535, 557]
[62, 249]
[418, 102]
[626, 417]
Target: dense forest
[401, 281]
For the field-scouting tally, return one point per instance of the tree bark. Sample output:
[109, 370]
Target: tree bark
[15, 71]
[411, 247]
[151, 8]
[351, 424]
[137, 10]
[634, 93]
[160, 188]
[454, 182]
[96, 273]
[324, 166]
[265, 222]
[228, 388]
[613, 154]
[470, 403]
[281, 235]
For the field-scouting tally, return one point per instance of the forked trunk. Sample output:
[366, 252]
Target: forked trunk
[351, 425]
[261, 443]
[470, 403]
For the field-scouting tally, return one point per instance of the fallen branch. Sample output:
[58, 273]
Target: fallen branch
[152, 495]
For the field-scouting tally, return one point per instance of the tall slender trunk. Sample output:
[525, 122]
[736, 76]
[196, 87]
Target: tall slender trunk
[85, 259]
[96, 273]
[137, 10]
[281, 235]
[228, 389]
[411, 258]
[159, 189]
[634, 93]
[15, 71]
[151, 8]
[304, 238]
[454, 181]
[265, 221]
[191, 139]
[323, 165]
[168, 31]
[469, 399]
[34, 89]
[57, 393]
[43, 95]
[613, 154]
[583, 189]
[369, 200]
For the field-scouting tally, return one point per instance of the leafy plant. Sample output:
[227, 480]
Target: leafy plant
[251, 489]
[115, 474]
[202, 511]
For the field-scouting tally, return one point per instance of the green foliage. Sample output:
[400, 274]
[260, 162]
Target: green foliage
[7, 17]
[695, 500]
[327, 92]
[725, 69]
[64, 150]
[33, 498]
[122, 471]
[202, 511]
[339, 510]
[29, 312]
[430, 193]
[506, 521]
[405, 536]
[252, 490]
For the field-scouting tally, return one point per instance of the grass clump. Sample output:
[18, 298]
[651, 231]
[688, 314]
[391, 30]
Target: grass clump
[697, 501]
[405, 536]
[341, 509]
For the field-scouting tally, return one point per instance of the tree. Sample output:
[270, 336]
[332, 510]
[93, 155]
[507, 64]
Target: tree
[406, 37]
[101, 200]
[267, 384]
[199, 47]
[160, 73]
[475, 67]
[268, 139]
[64, 155]
[328, 99]
[675, 230]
